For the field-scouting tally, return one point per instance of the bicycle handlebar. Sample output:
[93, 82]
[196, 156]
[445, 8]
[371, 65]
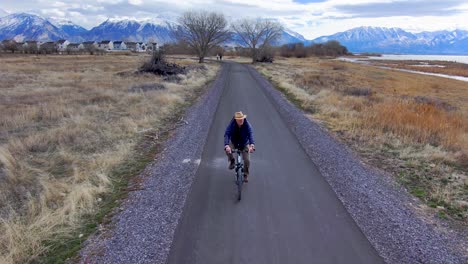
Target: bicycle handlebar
[239, 150]
[236, 150]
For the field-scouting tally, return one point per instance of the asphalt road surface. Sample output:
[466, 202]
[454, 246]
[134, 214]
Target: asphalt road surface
[288, 212]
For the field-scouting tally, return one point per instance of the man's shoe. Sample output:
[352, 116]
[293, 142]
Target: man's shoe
[246, 178]
[232, 164]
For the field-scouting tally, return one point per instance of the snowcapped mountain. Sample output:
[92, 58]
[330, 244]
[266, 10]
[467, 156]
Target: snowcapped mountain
[159, 28]
[364, 38]
[72, 30]
[163, 19]
[294, 34]
[21, 27]
[131, 30]
[441, 37]
[290, 36]
[3, 13]
[112, 30]
[396, 40]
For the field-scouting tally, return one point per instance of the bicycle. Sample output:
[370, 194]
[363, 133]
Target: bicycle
[239, 169]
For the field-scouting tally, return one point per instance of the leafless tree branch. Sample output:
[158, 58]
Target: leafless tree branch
[202, 31]
[255, 33]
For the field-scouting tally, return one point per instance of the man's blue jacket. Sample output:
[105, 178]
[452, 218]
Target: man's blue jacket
[239, 136]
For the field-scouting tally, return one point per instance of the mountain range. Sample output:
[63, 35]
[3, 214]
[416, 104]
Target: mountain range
[396, 40]
[22, 27]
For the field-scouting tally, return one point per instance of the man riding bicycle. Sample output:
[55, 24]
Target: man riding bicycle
[239, 133]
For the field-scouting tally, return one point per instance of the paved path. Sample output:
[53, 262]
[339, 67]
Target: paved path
[288, 212]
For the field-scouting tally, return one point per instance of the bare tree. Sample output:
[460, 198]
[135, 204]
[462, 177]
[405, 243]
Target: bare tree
[255, 33]
[202, 31]
[294, 49]
[31, 47]
[10, 45]
[90, 48]
[48, 48]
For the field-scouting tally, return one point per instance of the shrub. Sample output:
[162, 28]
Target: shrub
[358, 91]
[266, 54]
[158, 65]
[331, 48]
[297, 50]
[435, 102]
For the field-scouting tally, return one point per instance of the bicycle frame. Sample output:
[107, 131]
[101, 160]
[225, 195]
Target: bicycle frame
[239, 162]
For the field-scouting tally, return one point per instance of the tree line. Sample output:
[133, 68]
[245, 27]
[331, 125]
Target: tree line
[331, 48]
[204, 32]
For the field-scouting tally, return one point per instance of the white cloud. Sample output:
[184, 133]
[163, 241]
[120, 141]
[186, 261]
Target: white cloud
[59, 4]
[135, 2]
[53, 12]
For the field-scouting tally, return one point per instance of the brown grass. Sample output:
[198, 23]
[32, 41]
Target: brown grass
[418, 123]
[413, 125]
[65, 123]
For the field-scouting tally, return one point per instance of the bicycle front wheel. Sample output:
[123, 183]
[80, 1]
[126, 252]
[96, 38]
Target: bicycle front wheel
[240, 182]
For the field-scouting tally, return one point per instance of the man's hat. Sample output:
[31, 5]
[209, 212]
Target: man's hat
[239, 115]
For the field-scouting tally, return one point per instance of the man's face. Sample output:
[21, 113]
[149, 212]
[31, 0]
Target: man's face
[240, 122]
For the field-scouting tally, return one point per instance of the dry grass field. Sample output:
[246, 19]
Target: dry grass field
[411, 125]
[65, 123]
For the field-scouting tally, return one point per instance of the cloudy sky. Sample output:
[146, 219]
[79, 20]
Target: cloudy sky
[311, 18]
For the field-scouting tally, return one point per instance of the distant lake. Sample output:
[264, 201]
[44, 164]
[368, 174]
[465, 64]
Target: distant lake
[455, 58]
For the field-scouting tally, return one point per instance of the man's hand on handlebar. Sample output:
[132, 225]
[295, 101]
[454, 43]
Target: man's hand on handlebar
[251, 148]
[227, 148]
